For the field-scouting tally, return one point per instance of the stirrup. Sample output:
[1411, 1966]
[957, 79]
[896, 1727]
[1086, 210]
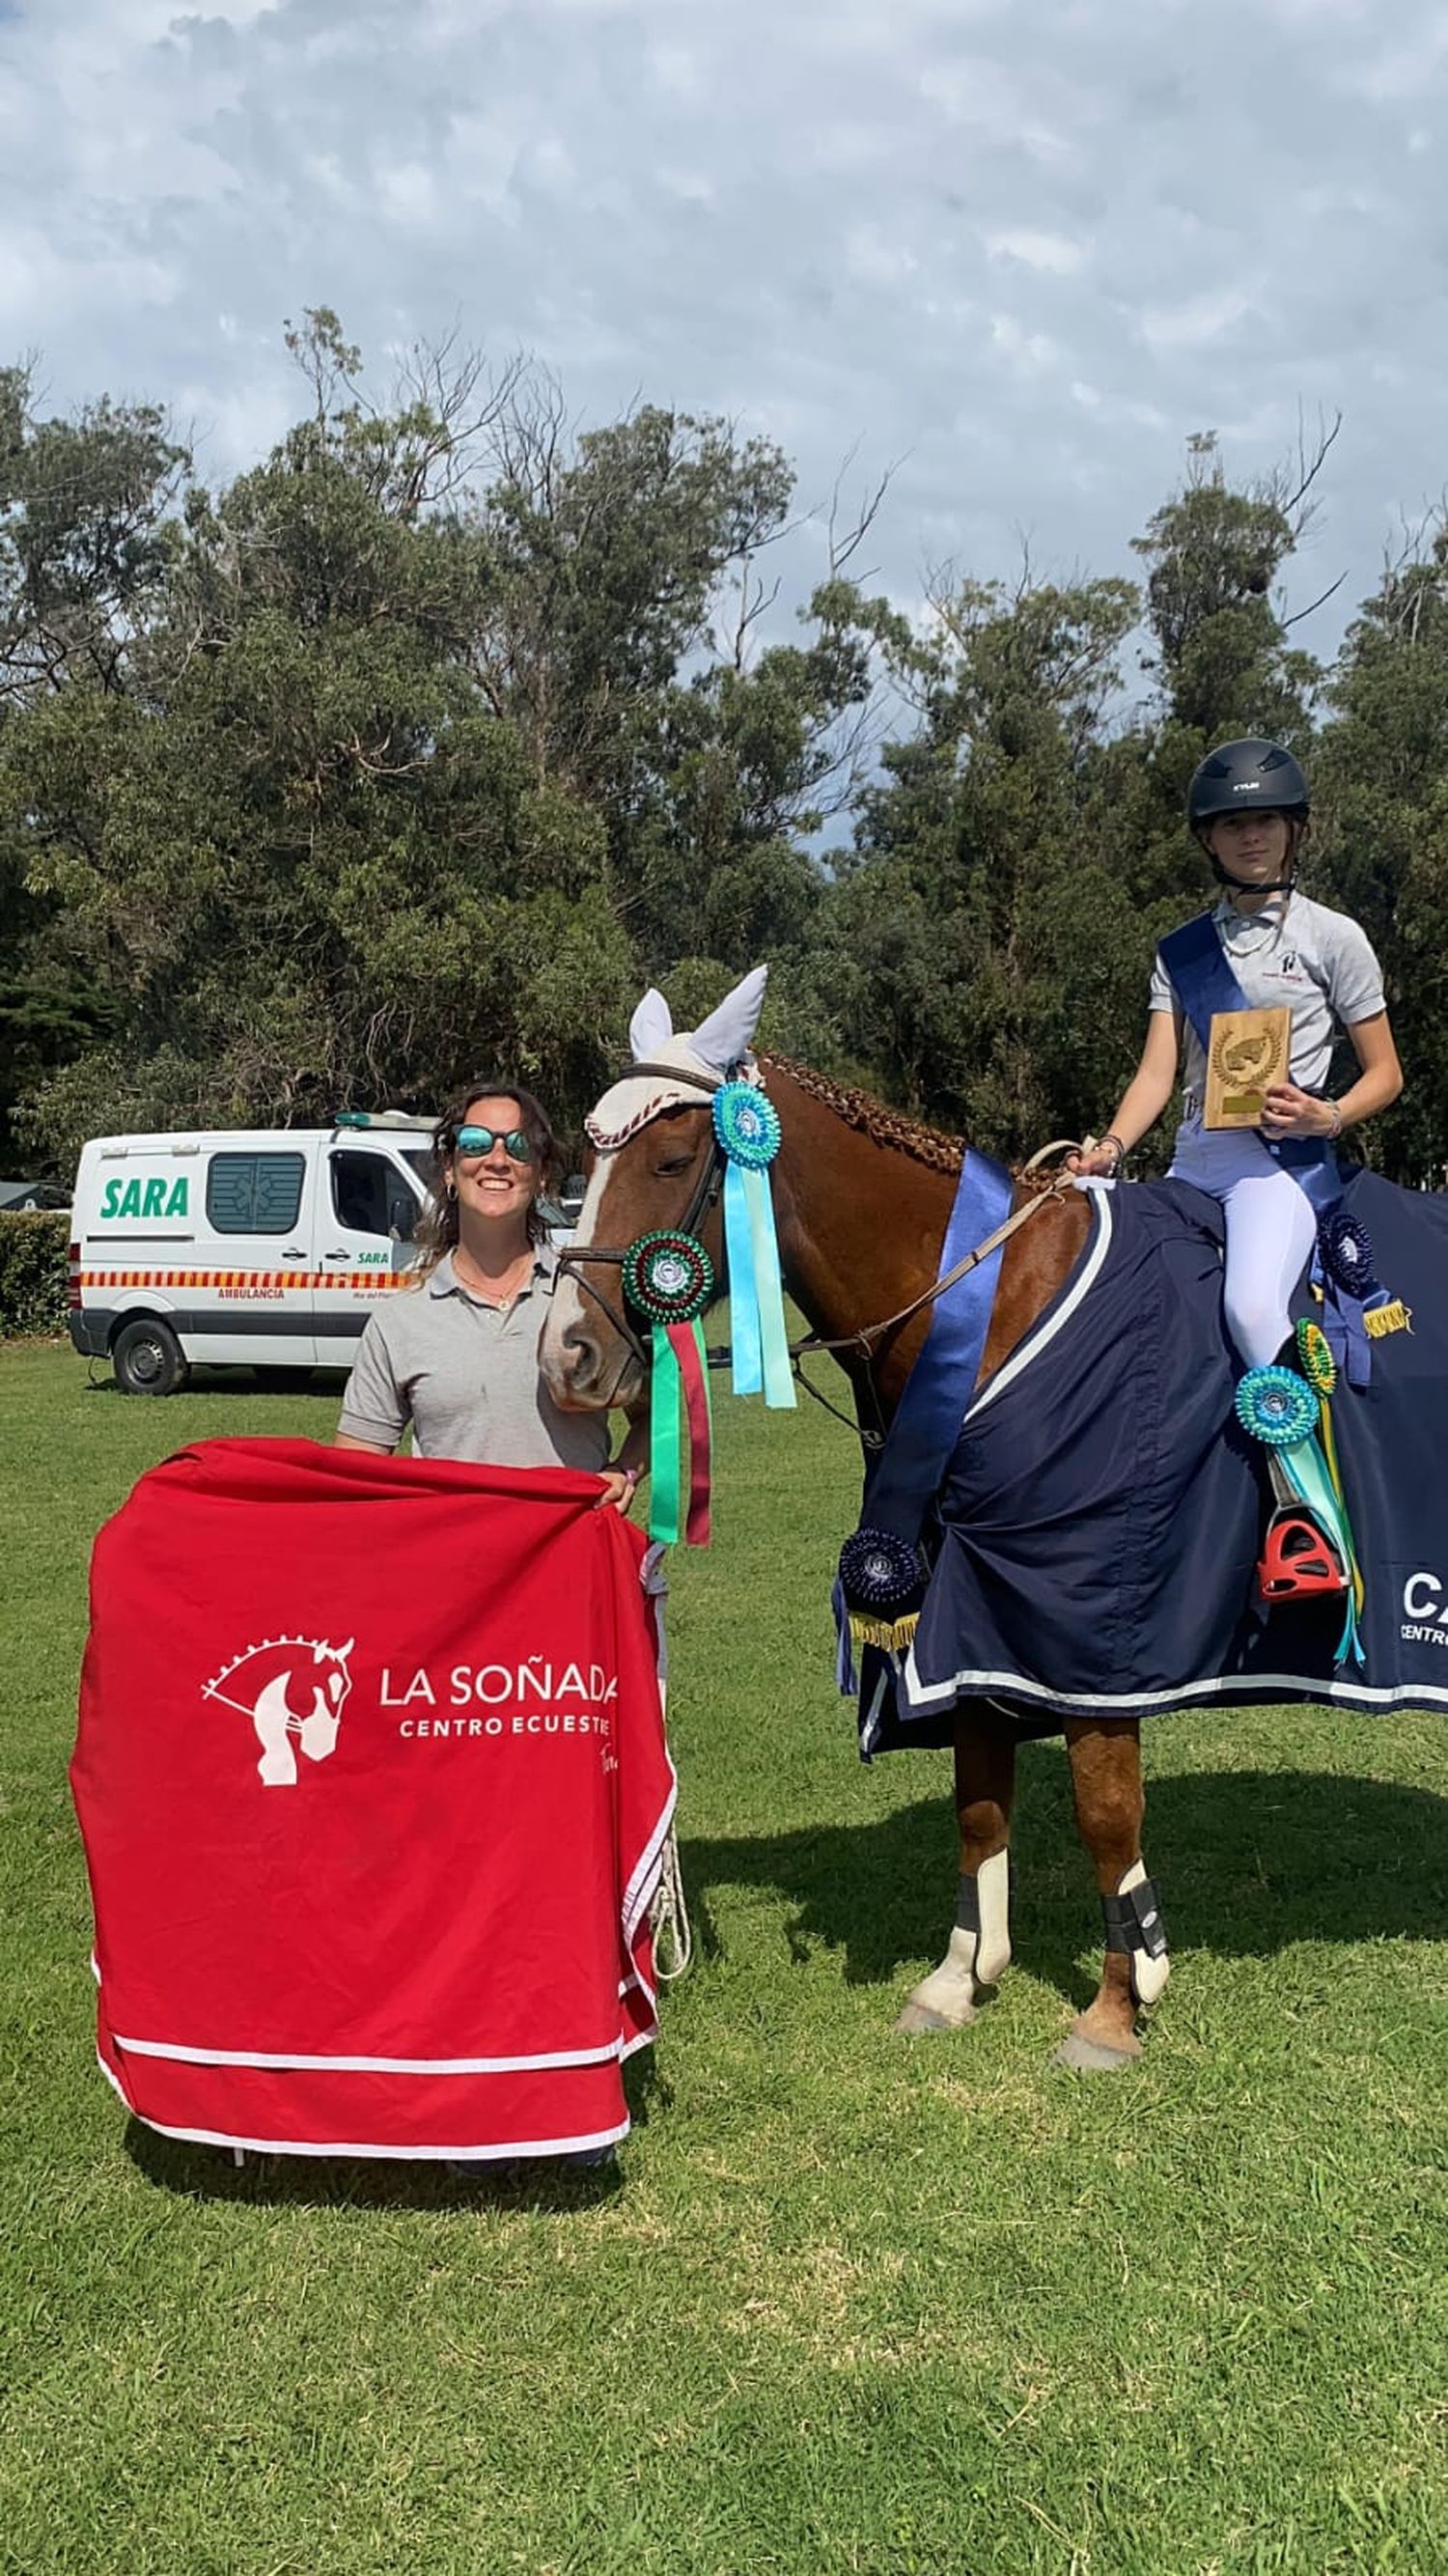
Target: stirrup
[1298, 1558]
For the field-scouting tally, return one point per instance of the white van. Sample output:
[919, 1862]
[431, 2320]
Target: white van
[253, 1247]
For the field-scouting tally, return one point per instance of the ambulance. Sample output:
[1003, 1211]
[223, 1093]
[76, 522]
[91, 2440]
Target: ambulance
[261, 1248]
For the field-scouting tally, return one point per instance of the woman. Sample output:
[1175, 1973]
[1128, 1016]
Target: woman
[1248, 808]
[455, 1352]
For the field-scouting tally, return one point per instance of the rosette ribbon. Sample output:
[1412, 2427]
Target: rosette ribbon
[1314, 1358]
[1284, 1412]
[746, 1127]
[1356, 1308]
[669, 1280]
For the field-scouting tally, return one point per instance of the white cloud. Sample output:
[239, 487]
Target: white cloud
[1049, 251]
[1192, 324]
[997, 243]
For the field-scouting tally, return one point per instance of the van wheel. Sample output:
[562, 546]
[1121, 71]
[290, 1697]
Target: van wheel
[147, 1358]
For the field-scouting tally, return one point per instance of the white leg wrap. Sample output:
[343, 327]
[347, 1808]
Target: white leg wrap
[1148, 1975]
[950, 1988]
[993, 1885]
[978, 1955]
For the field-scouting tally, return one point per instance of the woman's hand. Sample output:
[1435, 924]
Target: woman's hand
[619, 1488]
[1286, 1111]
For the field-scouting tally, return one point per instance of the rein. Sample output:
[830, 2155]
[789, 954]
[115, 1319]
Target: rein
[574, 1257]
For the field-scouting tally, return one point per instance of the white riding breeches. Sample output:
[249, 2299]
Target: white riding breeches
[1271, 1227]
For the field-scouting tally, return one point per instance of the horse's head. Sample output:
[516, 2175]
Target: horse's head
[653, 1169]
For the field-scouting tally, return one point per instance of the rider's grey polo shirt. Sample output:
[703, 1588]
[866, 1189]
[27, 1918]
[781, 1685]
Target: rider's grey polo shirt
[1320, 963]
[465, 1375]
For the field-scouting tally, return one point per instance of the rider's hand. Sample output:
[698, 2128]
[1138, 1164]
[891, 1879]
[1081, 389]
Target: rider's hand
[1286, 1111]
[619, 1488]
[1094, 1162]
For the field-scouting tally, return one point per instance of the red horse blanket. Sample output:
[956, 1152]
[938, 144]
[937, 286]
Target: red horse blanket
[374, 1790]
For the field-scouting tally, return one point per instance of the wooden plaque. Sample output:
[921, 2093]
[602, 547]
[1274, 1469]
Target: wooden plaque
[1248, 1053]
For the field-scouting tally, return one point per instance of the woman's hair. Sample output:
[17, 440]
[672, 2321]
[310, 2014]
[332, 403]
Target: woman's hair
[437, 1231]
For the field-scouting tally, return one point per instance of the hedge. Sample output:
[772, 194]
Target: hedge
[33, 1246]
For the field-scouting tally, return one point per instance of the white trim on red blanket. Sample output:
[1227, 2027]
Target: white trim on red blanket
[464, 2153]
[185, 2056]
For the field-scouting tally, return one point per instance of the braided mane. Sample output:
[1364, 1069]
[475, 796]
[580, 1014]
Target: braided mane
[883, 1126]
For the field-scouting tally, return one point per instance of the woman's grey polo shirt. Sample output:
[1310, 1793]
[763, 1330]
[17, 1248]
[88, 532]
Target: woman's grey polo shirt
[465, 1375]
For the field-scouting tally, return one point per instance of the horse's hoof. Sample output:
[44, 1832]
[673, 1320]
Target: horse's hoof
[1088, 2057]
[917, 2018]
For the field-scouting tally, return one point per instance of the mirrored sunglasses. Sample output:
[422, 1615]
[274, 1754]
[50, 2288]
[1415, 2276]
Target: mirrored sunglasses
[481, 1140]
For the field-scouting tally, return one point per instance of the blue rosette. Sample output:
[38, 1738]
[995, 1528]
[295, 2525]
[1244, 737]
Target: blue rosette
[1277, 1407]
[747, 1129]
[1345, 1250]
[882, 1582]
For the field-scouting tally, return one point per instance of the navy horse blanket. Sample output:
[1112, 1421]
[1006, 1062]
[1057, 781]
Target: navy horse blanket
[1101, 1516]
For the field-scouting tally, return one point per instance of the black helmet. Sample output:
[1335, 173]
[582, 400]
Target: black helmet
[1246, 773]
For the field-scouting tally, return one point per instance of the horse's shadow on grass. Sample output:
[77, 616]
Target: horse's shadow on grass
[1248, 1863]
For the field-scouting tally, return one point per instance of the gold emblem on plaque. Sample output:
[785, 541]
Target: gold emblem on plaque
[1249, 1052]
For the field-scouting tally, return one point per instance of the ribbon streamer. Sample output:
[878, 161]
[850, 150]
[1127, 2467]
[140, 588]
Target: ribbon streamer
[664, 1440]
[693, 1369]
[679, 1402]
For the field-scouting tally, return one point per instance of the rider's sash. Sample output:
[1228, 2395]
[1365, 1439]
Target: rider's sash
[918, 1447]
[1204, 983]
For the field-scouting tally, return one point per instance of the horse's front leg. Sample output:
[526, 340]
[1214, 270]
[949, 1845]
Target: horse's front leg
[980, 1945]
[1105, 1758]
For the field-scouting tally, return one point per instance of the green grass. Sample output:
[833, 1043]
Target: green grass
[855, 2304]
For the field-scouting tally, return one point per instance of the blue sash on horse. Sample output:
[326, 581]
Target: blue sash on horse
[1102, 1511]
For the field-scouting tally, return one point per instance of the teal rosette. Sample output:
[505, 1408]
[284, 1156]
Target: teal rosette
[747, 1132]
[746, 1124]
[1276, 1406]
[668, 1277]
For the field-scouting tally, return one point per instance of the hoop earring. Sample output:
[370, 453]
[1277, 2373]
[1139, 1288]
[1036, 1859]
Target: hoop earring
[452, 1189]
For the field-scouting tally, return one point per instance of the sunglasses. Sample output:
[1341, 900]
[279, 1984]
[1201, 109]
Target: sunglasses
[481, 1140]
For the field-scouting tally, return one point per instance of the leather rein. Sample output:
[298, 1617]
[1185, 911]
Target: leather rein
[705, 1198]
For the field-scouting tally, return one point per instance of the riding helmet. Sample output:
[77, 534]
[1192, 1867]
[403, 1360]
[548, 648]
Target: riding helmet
[1237, 774]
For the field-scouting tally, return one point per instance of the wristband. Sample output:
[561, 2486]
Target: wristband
[1111, 1139]
[1335, 1130]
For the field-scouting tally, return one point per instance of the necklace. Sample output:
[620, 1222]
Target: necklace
[492, 1292]
[1250, 947]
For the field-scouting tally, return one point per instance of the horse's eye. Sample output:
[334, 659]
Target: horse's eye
[672, 1163]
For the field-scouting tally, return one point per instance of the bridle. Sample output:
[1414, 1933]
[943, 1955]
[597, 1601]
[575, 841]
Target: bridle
[574, 1257]
[705, 1199]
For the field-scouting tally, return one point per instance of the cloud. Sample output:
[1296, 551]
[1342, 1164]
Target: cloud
[1025, 252]
[1049, 251]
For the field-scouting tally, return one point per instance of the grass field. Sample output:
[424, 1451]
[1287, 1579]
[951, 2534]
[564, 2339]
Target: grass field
[853, 2304]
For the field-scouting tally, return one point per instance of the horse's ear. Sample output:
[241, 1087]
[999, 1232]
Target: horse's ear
[728, 1033]
[651, 1024]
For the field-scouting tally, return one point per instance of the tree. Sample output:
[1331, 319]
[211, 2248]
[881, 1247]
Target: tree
[1381, 800]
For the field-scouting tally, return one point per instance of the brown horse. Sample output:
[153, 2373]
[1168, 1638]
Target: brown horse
[862, 1197]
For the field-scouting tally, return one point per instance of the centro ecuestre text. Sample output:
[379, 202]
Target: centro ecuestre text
[531, 1698]
[1425, 1610]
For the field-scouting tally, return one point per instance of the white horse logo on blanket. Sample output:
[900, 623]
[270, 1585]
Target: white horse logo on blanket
[264, 1695]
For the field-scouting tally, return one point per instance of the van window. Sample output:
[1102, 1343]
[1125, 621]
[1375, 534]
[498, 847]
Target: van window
[370, 1196]
[254, 1193]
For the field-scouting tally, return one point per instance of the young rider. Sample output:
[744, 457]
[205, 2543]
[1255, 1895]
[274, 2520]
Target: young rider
[1248, 808]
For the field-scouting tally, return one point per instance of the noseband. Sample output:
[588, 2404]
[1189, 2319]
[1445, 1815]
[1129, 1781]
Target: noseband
[576, 1258]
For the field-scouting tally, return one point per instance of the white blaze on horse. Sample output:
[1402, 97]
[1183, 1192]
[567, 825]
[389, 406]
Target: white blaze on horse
[862, 1200]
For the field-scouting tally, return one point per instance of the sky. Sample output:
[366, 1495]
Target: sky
[1016, 250]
